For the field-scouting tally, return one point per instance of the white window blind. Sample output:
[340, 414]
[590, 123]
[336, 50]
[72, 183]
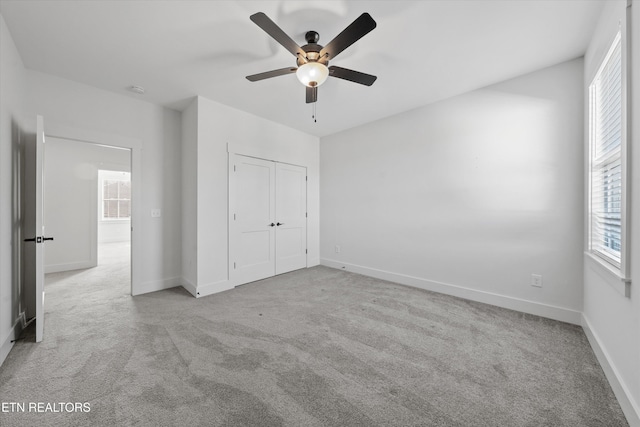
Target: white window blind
[605, 116]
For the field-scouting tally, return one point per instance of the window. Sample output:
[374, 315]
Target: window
[607, 154]
[116, 197]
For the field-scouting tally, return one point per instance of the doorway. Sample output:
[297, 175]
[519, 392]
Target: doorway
[114, 220]
[87, 199]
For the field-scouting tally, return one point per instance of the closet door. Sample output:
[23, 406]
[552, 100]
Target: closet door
[252, 219]
[291, 218]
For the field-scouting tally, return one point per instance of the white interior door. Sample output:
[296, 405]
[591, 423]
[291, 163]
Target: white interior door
[39, 238]
[252, 219]
[291, 218]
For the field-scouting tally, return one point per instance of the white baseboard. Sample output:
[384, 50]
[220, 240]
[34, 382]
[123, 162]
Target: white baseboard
[190, 287]
[213, 288]
[80, 265]
[208, 289]
[223, 285]
[7, 344]
[156, 285]
[620, 389]
[544, 310]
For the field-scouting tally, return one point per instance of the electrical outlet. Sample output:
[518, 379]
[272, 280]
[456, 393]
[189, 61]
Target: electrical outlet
[156, 213]
[536, 280]
[337, 249]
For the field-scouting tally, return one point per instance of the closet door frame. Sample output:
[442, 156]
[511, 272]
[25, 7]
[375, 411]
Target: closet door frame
[235, 278]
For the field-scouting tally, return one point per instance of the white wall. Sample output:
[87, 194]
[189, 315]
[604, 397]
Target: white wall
[13, 90]
[468, 196]
[69, 104]
[611, 320]
[221, 129]
[71, 189]
[190, 195]
[115, 231]
[70, 214]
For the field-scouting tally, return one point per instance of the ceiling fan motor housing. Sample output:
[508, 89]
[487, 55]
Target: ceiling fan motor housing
[312, 49]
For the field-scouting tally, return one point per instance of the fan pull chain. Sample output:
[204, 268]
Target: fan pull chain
[314, 113]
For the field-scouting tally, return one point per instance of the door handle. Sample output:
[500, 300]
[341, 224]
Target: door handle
[272, 225]
[280, 223]
[38, 239]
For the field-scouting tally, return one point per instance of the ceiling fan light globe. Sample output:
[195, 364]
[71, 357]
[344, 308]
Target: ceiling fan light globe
[312, 74]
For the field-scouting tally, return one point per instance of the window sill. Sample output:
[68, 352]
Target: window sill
[623, 284]
[115, 221]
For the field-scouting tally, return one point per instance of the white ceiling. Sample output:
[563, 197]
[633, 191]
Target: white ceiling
[421, 51]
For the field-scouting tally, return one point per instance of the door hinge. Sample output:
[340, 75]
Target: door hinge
[306, 178]
[234, 265]
[234, 217]
[234, 168]
[306, 251]
[306, 214]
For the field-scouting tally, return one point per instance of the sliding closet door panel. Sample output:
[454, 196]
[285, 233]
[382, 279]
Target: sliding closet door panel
[291, 214]
[252, 237]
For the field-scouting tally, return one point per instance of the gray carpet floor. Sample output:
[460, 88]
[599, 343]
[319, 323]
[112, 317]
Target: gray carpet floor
[316, 347]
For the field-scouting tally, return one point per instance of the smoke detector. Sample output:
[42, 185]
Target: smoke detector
[137, 89]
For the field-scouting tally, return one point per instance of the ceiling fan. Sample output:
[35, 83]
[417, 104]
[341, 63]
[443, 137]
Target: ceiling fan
[313, 59]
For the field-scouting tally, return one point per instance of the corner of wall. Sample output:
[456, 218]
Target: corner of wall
[189, 235]
[211, 288]
[189, 287]
[157, 285]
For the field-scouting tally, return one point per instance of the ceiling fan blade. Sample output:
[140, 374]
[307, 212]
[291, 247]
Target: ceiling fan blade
[270, 27]
[354, 32]
[352, 76]
[269, 74]
[312, 94]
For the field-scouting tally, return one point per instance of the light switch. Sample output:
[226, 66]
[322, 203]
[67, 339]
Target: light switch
[155, 213]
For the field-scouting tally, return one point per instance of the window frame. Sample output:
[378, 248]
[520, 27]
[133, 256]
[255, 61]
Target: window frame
[622, 269]
[102, 198]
